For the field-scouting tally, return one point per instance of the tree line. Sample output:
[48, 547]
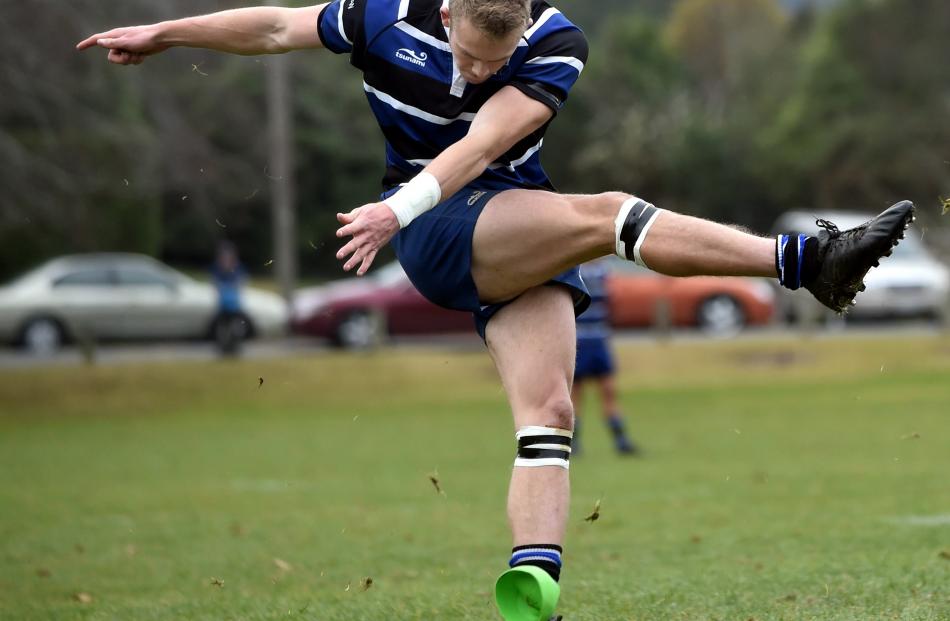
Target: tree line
[730, 109]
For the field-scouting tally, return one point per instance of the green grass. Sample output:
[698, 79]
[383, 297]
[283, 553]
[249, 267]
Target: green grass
[783, 480]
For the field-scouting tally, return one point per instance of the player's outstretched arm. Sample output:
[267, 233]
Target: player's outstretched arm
[506, 118]
[254, 30]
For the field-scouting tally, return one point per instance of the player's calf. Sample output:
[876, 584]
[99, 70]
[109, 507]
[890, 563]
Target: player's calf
[529, 590]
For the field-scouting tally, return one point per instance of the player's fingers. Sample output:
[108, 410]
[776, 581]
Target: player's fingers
[367, 262]
[348, 218]
[119, 57]
[358, 257]
[94, 39]
[350, 229]
[347, 250]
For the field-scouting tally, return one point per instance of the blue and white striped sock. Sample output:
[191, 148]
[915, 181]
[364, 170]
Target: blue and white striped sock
[545, 556]
[789, 256]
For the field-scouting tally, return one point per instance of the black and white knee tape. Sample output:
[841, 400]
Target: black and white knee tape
[631, 227]
[543, 446]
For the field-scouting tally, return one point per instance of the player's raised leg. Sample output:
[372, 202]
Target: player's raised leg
[532, 343]
[525, 237]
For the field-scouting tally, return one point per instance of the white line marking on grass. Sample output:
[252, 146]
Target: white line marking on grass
[940, 519]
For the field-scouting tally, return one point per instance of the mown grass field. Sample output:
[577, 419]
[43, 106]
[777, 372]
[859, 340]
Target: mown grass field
[788, 480]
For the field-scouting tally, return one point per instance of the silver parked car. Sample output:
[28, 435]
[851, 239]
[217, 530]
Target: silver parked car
[120, 297]
[909, 283]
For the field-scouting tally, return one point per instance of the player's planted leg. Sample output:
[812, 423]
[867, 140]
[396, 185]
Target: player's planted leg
[532, 344]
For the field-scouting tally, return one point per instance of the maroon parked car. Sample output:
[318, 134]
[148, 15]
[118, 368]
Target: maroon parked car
[362, 312]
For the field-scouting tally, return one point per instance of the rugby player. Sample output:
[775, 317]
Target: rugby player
[595, 360]
[463, 91]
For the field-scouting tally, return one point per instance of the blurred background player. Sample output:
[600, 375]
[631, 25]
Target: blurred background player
[595, 363]
[228, 275]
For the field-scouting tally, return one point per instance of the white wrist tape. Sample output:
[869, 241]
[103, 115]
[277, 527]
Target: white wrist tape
[415, 198]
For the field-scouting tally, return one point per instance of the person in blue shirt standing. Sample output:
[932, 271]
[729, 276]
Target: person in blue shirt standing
[595, 361]
[230, 326]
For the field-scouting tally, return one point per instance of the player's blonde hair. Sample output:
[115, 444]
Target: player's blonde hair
[496, 18]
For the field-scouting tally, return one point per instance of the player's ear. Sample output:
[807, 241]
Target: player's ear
[446, 16]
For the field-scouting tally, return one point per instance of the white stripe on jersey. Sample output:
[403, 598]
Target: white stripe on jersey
[413, 111]
[524, 158]
[548, 14]
[550, 60]
[403, 9]
[511, 167]
[418, 35]
[339, 23]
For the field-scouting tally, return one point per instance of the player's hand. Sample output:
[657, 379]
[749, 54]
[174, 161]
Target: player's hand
[127, 46]
[371, 227]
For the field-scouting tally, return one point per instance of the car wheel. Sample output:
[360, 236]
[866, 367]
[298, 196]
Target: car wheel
[362, 329]
[721, 316]
[42, 336]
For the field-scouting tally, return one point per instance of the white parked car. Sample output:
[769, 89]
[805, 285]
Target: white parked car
[909, 283]
[120, 297]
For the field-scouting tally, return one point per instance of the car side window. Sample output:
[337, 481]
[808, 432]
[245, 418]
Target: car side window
[86, 278]
[142, 277]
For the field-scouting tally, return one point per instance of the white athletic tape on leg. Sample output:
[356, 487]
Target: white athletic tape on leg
[618, 225]
[543, 446]
[646, 229]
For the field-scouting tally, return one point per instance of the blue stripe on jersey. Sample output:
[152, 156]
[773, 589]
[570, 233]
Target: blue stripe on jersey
[331, 30]
[558, 72]
[379, 15]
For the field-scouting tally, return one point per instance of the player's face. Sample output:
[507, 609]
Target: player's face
[478, 55]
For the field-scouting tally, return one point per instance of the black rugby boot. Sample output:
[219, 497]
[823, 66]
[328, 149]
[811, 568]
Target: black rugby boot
[845, 257]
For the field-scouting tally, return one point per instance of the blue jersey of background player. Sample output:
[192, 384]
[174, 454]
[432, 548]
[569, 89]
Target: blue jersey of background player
[595, 362]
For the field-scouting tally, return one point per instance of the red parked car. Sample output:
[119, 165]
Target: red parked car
[362, 312]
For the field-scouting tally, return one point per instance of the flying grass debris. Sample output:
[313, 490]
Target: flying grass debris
[946, 206]
[260, 382]
[911, 436]
[221, 224]
[83, 598]
[366, 583]
[283, 565]
[434, 478]
[197, 69]
[217, 582]
[269, 263]
[593, 517]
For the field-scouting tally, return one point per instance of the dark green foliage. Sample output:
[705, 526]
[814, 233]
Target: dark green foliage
[839, 108]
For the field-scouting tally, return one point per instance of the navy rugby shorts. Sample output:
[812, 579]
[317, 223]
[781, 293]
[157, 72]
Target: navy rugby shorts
[593, 359]
[436, 252]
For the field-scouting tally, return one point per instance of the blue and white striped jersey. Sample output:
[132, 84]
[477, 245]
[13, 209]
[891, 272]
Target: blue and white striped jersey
[594, 323]
[421, 102]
